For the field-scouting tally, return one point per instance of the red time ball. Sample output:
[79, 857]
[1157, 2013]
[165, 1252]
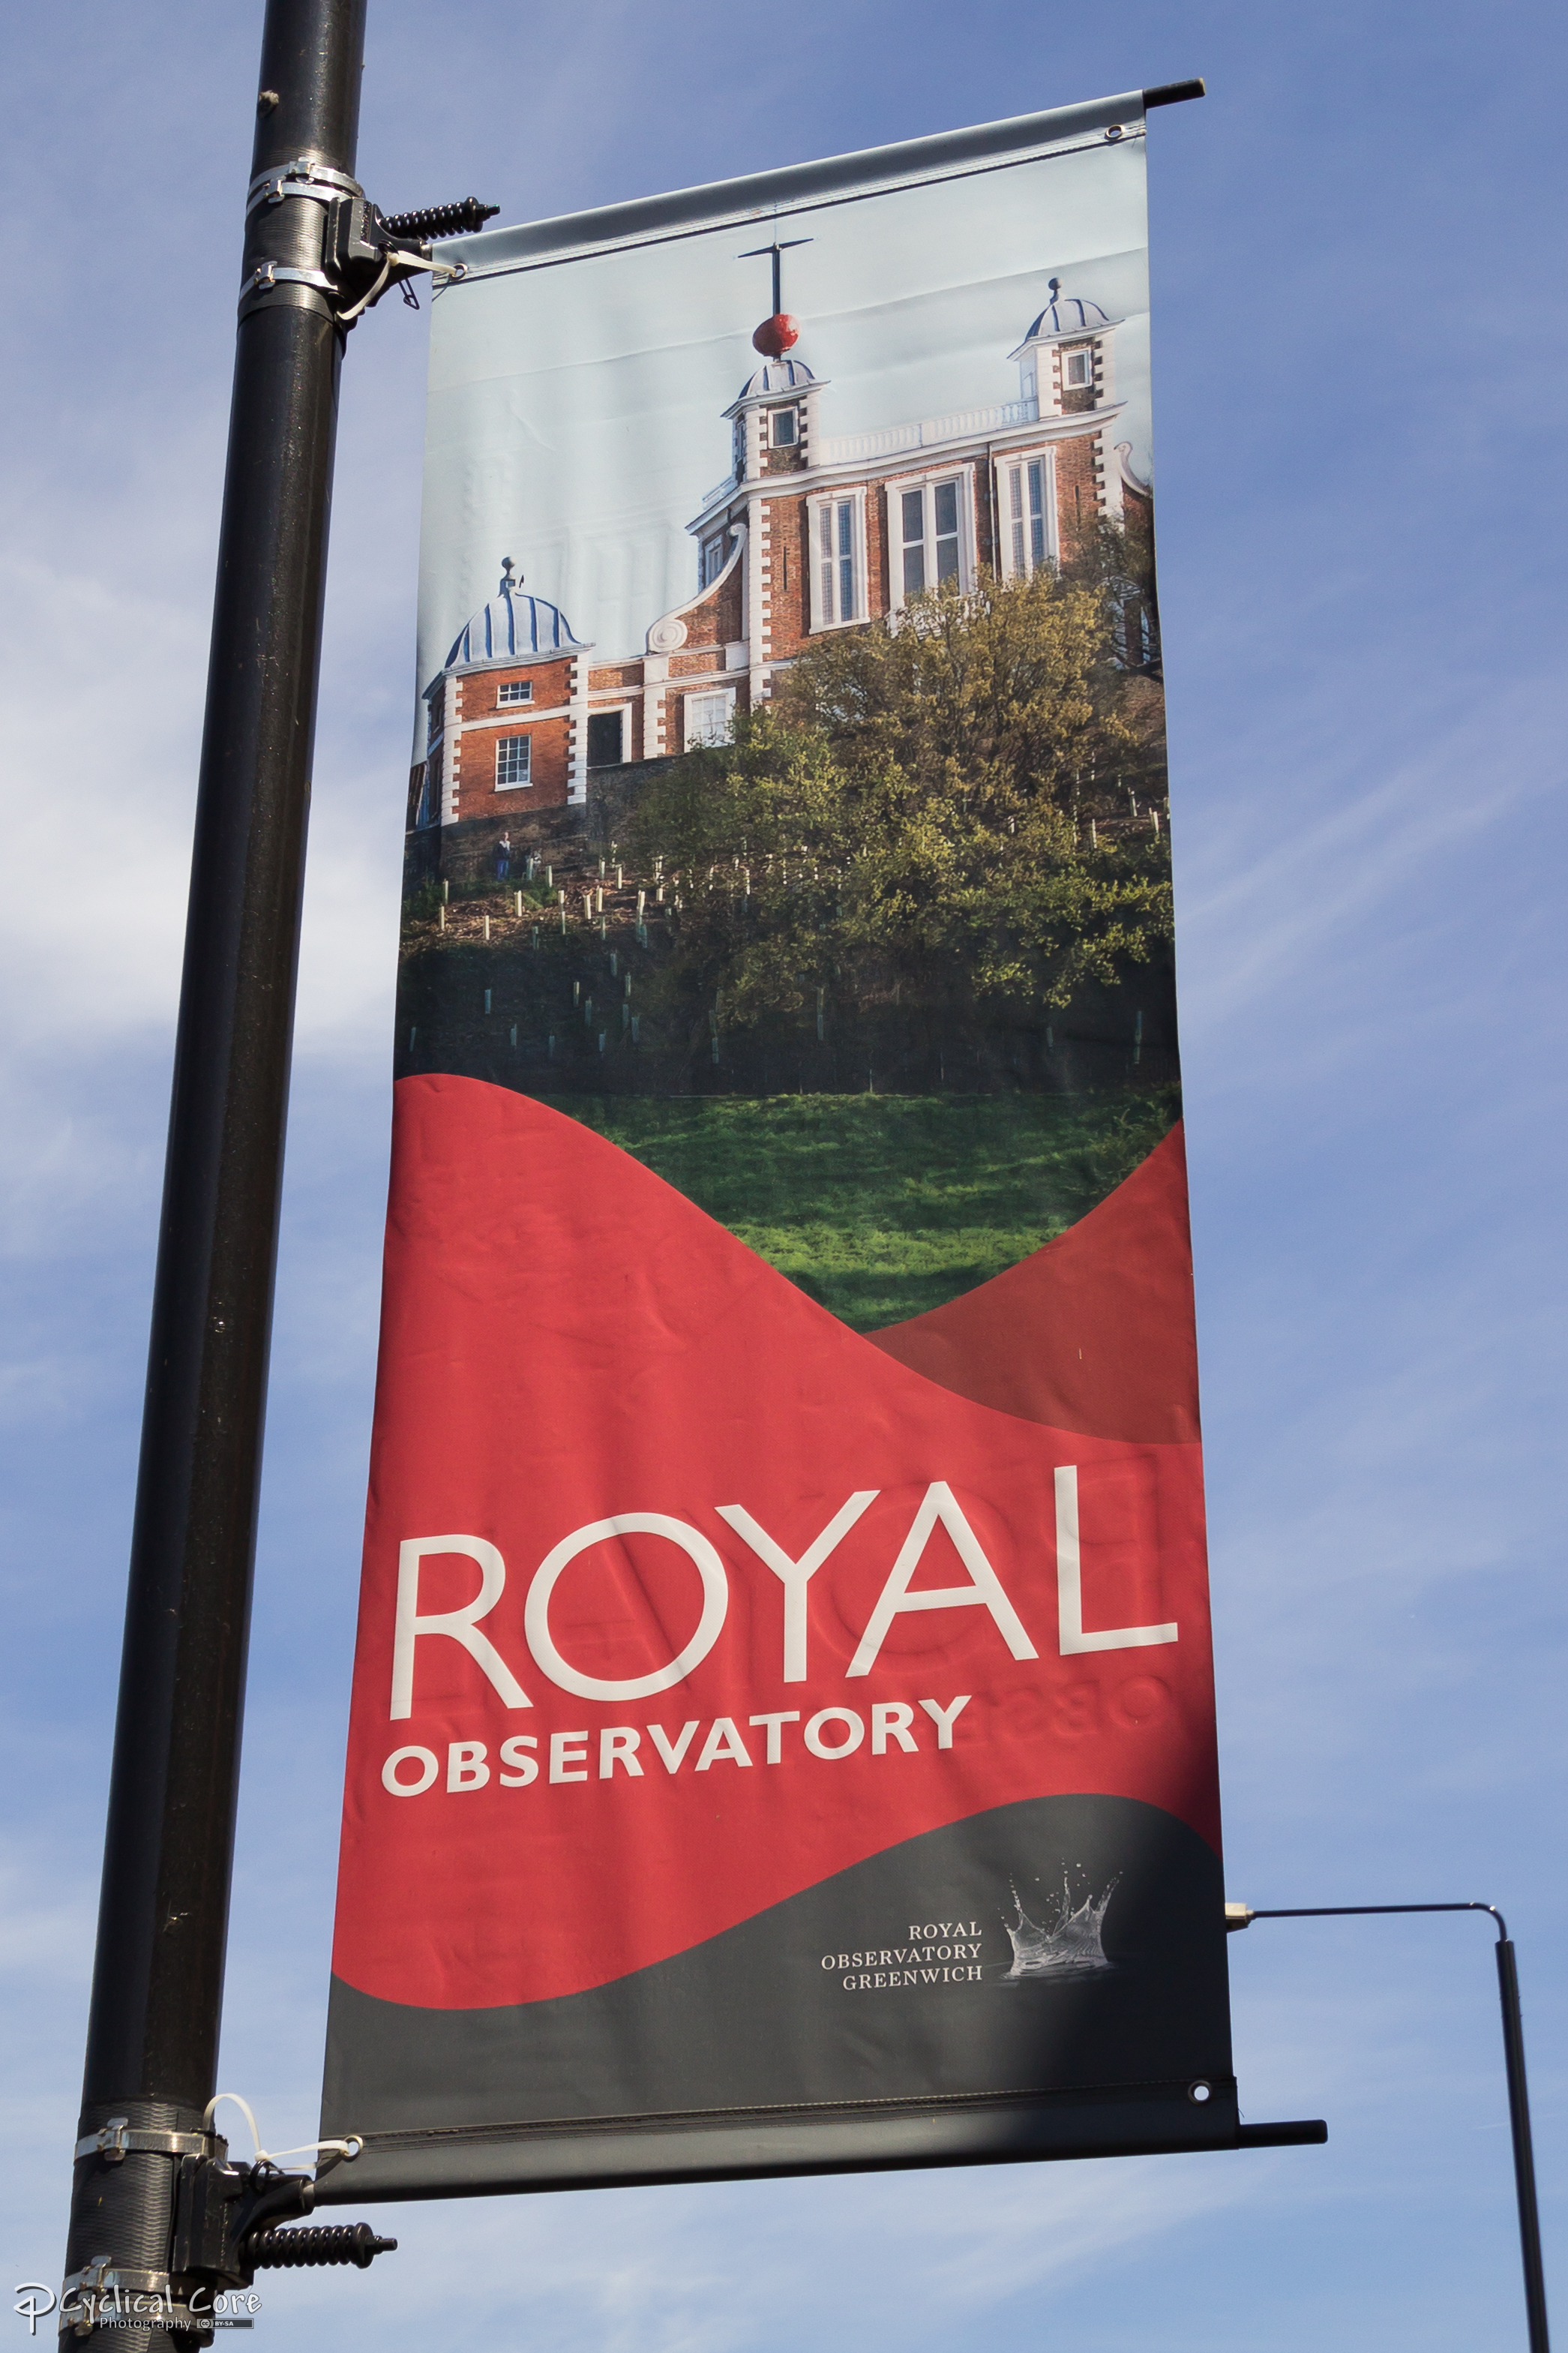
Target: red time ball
[776, 335]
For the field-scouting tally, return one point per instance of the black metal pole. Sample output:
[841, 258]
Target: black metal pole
[1523, 2146]
[163, 1921]
[1241, 1916]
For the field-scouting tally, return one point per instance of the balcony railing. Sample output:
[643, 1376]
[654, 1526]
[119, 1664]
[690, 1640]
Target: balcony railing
[892, 440]
[927, 433]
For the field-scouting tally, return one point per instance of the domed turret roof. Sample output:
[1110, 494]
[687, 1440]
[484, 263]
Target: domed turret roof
[1067, 314]
[787, 375]
[513, 626]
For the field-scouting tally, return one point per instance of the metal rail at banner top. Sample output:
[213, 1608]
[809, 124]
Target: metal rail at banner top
[905, 1804]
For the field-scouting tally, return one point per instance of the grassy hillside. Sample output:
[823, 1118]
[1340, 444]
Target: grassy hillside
[884, 1205]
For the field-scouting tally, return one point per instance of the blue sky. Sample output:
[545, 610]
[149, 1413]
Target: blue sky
[1357, 340]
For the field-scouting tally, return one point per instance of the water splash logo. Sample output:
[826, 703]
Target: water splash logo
[1066, 1945]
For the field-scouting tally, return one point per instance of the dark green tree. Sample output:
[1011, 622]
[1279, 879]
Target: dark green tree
[928, 821]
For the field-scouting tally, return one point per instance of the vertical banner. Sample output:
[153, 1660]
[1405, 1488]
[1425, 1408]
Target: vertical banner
[783, 1726]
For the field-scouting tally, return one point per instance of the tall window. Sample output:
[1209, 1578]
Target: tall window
[929, 536]
[515, 689]
[1138, 623]
[513, 762]
[605, 739]
[835, 560]
[429, 809]
[836, 556]
[706, 717]
[712, 560]
[1078, 368]
[1029, 543]
[914, 538]
[785, 429]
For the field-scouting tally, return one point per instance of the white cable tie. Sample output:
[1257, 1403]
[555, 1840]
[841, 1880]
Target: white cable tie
[407, 262]
[436, 269]
[244, 2109]
[348, 2149]
[365, 301]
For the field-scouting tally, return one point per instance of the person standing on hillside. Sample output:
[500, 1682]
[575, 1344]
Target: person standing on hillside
[504, 858]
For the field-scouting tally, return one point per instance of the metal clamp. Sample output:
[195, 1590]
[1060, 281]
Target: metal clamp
[103, 2275]
[102, 2284]
[353, 261]
[119, 2138]
[299, 178]
[278, 273]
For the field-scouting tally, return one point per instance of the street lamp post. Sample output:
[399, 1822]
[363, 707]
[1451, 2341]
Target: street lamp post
[1242, 1915]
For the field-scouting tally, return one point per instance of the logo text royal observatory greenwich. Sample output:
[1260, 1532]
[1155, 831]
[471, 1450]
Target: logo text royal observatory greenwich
[939, 1952]
[1066, 1942]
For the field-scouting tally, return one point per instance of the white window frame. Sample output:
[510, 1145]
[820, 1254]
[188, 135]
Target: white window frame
[825, 613]
[926, 483]
[710, 695]
[1071, 352]
[512, 690]
[609, 710]
[722, 541]
[1019, 463]
[514, 784]
[792, 410]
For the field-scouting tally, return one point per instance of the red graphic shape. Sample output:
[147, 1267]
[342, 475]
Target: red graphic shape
[566, 1339]
[1094, 1332]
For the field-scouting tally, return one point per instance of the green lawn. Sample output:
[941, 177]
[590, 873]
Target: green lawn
[884, 1205]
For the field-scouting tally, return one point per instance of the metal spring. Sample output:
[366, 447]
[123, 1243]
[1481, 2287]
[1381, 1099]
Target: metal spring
[332, 2243]
[443, 220]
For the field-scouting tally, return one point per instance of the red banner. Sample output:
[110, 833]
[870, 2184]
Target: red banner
[783, 1725]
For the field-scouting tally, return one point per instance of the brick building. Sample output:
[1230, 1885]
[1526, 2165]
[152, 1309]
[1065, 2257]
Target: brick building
[807, 532]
